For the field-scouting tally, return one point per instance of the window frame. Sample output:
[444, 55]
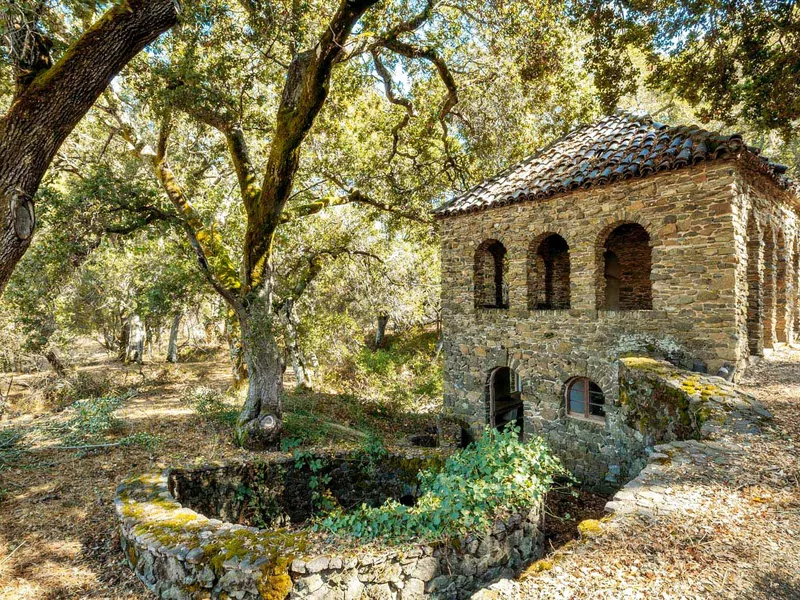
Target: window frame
[585, 415]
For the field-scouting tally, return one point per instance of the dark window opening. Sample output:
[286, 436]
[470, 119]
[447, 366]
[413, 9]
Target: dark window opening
[585, 399]
[627, 263]
[504, 405]
[491, 273]
[755, 297]
[549, 274]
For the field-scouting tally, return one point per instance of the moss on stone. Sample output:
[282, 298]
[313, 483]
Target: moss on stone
[590, 527]
[543, 564]
[275, 587]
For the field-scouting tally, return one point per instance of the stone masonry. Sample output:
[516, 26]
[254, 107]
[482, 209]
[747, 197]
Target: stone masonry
[693, 261]
[181, 554]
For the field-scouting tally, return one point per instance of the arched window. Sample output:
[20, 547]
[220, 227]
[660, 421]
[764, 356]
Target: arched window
[755, 297]
[491, 273]
[548, 273]
[504, 399]
[626, 260]
[769, 280]
[781, 284]
[585, 399]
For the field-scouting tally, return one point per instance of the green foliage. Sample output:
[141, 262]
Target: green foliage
[10, 451]
[90, 422]
[211, 405]
[303, 429]
[91, 419]
[405, 373]
[321, 498]
[730, 60]
[495, 475]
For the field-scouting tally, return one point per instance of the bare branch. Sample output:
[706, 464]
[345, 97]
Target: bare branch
[404, 102]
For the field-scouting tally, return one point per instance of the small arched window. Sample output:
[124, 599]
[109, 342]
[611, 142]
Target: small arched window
[491, 274]
[548, 273]
[585, 399]
[626, 262]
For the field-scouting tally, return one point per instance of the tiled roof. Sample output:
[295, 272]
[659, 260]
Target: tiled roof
[615, 148]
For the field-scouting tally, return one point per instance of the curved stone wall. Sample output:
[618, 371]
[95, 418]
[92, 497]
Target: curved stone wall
[179, 553]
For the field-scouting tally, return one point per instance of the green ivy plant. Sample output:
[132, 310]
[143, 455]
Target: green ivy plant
[321, 498]
[495, 475]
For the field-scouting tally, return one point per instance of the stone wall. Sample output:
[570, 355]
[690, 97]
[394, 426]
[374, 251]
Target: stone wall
[178, 553]
[767, 264]
[696, 221]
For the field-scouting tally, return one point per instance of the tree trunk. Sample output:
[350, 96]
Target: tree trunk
[380, 333]
[125, 335]
[46, 109]
[301, 367]
[259, 425]
[172, 348]
[55, 362]
[133, 348]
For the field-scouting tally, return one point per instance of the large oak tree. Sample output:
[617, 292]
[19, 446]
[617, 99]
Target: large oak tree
[50, 98]
[276, 89]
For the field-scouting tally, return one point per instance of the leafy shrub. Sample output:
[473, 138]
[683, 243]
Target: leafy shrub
[405, 373]
[495, 475]
[91, 419]
[302, 429]
[56, 393]
[211, 405]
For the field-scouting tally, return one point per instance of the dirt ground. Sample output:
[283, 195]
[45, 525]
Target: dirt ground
[740, 538]
[58, 536]
[57, 533]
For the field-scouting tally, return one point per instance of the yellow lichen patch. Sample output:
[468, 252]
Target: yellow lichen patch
[590, 527]
[642, 363]
[275, 587]
[543, 564]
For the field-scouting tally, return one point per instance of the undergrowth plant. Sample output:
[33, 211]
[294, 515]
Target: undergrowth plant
[91, 421]
[495, 475]
[211, 405]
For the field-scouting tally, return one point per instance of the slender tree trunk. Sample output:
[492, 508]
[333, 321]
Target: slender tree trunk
[259, 425]
[380, 333]
[172, 348]
[125, 335]
[132, 349]
[301, 367]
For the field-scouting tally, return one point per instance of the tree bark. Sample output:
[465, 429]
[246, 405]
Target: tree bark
[55, 362]
[132, 349]
[45, 111]
[380, 332]
[172, 348]
[301, 367]
[259, 425]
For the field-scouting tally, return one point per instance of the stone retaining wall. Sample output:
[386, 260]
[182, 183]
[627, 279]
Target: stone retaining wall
[178, 553]
[676, 470]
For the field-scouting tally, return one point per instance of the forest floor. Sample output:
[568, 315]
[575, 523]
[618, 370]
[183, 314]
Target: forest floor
[58, 535]
[738, 537]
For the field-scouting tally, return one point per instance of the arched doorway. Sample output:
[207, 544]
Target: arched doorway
[769, 281]
[504, 399]
[781, 283]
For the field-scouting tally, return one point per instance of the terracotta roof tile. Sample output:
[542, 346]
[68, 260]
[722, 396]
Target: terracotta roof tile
[615, 148]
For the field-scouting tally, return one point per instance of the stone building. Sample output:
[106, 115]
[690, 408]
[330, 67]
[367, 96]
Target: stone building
[625, 237]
